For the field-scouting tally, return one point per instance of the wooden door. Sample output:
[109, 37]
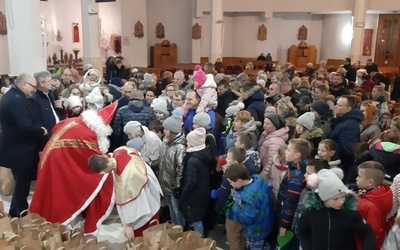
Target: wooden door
[387, 51]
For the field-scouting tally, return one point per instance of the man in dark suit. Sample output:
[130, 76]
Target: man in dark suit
[48, 110]
[19, 139]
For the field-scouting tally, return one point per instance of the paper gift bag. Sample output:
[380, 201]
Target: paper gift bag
[152, 235]
[138, 243]
[6, 181]
[5, 225]
[170, 236]
[1, 207]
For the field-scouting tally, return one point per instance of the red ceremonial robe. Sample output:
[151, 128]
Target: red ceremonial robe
[66, 186]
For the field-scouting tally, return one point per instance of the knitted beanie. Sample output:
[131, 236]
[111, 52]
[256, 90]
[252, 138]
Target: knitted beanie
[278, 121]
[199, 75]
[329, 184]
[307, 120]
[132, 127]
[147, 78]
[261, 82]
[136, 143]
[202, 119]
[218, 77]
[230, 111]
[96, 98]
[173, 124]
[74, 101]
[196, 137]
[161, 107]
[321, 107]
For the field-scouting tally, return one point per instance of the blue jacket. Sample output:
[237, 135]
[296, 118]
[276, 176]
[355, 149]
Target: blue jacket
[256, 211]
[289, 193]
[346, 133]
[188, 122]
[255, 105]
[132, 112]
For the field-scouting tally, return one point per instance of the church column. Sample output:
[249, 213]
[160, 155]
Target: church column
[91, 34]
[359, 14]
[24, 37]
[217, 27]
[134, 49]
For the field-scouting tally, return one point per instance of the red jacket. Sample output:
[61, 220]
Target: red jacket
[374, 206]
[368, 85]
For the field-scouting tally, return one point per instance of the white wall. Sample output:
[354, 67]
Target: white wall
[5, 64]
[109, 14]
[334, 45]
[61, 15]
[176, 16]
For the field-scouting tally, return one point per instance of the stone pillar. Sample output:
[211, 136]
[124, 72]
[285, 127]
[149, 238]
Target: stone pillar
[136, 50]
[359, 14]
[91, 34]
[217, 27]
[24, 37]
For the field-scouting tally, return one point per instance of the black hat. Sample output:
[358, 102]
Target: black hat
[277, 120]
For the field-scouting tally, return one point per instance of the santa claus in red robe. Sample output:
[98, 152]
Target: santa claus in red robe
[66, 186]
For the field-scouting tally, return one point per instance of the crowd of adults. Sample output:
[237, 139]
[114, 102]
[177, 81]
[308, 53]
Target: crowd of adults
[346, 115]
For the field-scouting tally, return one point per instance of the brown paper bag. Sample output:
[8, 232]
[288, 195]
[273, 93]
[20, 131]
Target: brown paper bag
[137, 244]
[1, 207]
[152, 235]
[170, 236]
[5, 225]
[6, 181]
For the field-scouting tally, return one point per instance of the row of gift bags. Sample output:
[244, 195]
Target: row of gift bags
[168, 237]
[6, 181]
[33, 232]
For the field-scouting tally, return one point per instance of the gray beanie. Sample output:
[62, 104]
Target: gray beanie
[307, 120]
[329, 184]
[218, 77]
[231, 110]
[202, 119]
[136, 143]
[161, 107]
[132, 127]
[173, 124]
[277, 120]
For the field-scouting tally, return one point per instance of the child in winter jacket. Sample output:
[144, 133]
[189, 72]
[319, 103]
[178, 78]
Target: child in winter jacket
[206, 88]
[375, 198]
[331, 220]
[305, 129]
[327, 151]
[278, 170]
[253, 205]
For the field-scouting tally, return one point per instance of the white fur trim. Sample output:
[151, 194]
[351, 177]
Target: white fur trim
[97, 125]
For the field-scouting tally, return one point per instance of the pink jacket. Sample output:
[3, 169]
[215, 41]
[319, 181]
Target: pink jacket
[268, 146]
[208, 94]
[277, 172]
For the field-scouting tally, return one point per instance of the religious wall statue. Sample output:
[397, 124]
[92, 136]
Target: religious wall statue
[138, 29]
[196, 31]
[160, 31]
[3, 24]
[262, 33]
[302, 35]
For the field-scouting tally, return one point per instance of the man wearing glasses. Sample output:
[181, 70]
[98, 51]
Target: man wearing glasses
[19, 139]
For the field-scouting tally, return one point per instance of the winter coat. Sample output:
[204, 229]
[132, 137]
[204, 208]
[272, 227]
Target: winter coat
[171, 164]
[256, 209]
[289, 193]
[374, 206]
[249, 127]
[291, 124]
[134, 111]
[223, 102]
[338, 91]
[268, 146]
[327, 228]
[346, 133]
[208, 94]
[395, 187]
[151, 148]
[254, 103]
[370, 132]
[388, 154]
[278, 171]
[294, 96]
[367, 86]
[195, 185]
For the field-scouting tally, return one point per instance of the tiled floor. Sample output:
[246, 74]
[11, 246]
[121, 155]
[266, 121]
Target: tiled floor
[112, 232]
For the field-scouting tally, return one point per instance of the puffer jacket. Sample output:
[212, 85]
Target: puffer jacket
[254, 103]
[171, 164]
[268, 146]
[327, 228]
[370, 132]
[388, 154]
[249, 127]
[134, 111]
[208, 94]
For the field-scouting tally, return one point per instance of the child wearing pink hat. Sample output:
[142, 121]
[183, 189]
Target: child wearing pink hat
[206, 88]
